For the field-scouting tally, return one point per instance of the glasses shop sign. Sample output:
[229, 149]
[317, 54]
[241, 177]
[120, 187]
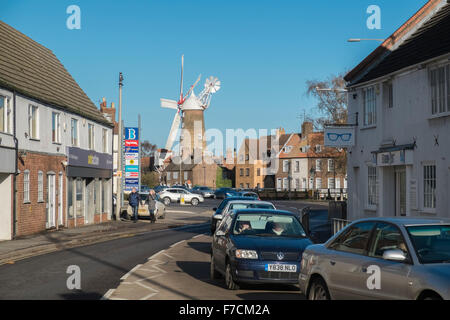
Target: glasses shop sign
[340, 137]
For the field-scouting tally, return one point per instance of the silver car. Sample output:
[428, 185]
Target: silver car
[238, 204]
[160, 208]
[380, 258]
[174, 195]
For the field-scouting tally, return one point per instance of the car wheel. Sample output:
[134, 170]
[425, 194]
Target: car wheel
[213, 273]
[229, 282]
[194, 201]
[166, 201]
[318, 291]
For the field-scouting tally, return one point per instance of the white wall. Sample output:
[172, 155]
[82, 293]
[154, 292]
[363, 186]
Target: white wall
[409, 119]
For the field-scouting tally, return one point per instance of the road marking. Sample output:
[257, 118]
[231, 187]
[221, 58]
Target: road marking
[178, 211]
[107, 294]
[148, 296]
[156, 254]
[175, 244]
[131, 271]
[147, 287]
[198, 236]
[168, 255]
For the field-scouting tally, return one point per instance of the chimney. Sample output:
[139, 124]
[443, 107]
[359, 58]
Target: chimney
[280, 131]
[307, 128]
[112, 105]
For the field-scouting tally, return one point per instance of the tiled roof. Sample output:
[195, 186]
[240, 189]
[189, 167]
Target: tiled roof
[429, 41]
[34, 71]
[175, 167]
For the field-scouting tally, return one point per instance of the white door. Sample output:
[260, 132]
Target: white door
[51, 208]
[60, 200]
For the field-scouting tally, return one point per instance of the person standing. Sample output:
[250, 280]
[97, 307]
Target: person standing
[134, 200]
[152, 205]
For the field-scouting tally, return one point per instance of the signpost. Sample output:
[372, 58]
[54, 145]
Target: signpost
[131, 155]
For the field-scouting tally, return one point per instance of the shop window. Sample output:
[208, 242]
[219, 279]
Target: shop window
[79, 197]
[70, 197]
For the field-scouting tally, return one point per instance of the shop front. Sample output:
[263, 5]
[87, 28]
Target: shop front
[89, 186]
[7, 169]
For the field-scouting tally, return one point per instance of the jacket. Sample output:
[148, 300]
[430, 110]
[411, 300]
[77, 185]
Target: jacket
[134, 199]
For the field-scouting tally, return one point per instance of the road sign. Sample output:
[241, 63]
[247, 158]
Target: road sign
[131, 133]
[131, 143]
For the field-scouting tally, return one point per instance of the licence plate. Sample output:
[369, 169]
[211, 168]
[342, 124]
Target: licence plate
[281, 267]
[142, 211]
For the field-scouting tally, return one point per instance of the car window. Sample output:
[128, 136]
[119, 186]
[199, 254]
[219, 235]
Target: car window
[386, 237]
[354, 240]
[431, 243]
[225, 224]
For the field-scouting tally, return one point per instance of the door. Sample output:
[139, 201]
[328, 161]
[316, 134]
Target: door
[220, 244]
[60, 201]
[400, 192]
[90, 205]
[51, 207]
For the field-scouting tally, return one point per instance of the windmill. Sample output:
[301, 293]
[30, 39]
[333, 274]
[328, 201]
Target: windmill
[190, 114]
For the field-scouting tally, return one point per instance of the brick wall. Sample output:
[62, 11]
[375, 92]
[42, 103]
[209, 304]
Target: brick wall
[32, 216]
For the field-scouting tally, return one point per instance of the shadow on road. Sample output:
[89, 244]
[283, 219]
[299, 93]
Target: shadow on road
[200, 246]
[81, 295]
[295, 295]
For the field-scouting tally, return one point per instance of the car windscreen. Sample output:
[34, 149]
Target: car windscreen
[236, 206]
[144, 196]
[268, 225]
[431, 242]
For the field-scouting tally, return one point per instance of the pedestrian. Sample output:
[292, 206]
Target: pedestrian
[134, 200]
[152, 205]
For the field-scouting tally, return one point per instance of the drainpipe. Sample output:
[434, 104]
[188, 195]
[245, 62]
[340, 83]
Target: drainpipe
[16, 146]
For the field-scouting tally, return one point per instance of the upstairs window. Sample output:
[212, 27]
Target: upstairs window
[56, 135]
[429, 186]
[285, 165]
[91, 136]
[74, 132]
[105, 140]
[372, 192]
[33, 122]
[5, 115]
[330, 165]
[370, 110]
[440, 90]
[318, 165]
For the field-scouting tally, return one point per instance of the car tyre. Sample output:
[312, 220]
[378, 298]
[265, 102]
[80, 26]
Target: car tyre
[318, 291]
[166, 201]
[194, 201]
[213, 273]
[229, 281]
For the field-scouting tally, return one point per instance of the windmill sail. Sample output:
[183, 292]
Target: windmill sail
[173, 131]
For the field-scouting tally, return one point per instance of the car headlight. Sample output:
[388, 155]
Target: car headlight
[246, 254]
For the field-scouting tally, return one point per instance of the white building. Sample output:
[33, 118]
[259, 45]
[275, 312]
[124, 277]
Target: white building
[400, 96]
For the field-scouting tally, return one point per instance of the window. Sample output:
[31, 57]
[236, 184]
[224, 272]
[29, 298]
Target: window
[330, 165]
[74, 132]
[248, 185]
[26, 186]
[246, 157]
[331, 183]
[175, 175]
[285, 183]
[70, 196]
[105, 140]
[33, 122]
[372, 191]
[355, 239]
[285, 165]
[429, 186]
[5, 115]
[386, 237]
[318, 183]
[79, 193]
[241, 185]
[56, 132]
[311, 183]
[168, 176]
[297, 184]
[185, 175]
[278, 184]
[258, 172]
[247, 172]
[440, 90]
[297, 166]
[91, 136]
[241, 172]
[388, 95]
[40, 186]
[318, 148]
[370, 112]
[318, 165]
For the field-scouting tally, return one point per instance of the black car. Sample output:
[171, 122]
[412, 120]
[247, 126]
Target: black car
[220, 208]
[258, 246]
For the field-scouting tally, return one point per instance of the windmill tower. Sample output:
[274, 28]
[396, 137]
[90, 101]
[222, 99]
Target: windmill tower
[190, 114]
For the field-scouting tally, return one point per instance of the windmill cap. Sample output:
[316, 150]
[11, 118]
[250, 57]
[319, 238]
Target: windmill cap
[191, 103]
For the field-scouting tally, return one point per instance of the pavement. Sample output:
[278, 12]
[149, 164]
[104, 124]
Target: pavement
[181, 272]
[50, 241]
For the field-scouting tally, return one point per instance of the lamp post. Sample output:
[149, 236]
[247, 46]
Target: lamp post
[312, 173]
[362, 39]
[119, 199]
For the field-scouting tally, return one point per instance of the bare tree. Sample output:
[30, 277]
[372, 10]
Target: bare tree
[332, 99]
[148, 148]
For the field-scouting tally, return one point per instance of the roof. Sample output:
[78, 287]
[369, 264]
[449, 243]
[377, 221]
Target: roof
[429, 41]
[408, 221]
[175, 167]
[34, 71]
[259, 210]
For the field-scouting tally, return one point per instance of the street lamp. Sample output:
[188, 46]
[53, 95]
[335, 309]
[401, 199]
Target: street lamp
[361, 39]
[119, 195]
[312, 173]
[331, 89]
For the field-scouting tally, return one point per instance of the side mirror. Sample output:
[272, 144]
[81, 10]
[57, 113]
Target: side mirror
[394, 255]
[220, 233]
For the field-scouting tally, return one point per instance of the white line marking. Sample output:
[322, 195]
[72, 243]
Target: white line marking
[177, 243]
[148, 296]
[131, 271]
[108, 294]
[156, 254]
[168, 255]
[198, 236]
[146, 287]
[178, 211]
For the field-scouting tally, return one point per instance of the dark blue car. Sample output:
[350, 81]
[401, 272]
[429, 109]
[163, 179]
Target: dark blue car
[258, 246]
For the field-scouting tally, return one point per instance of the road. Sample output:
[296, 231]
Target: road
[102, 265]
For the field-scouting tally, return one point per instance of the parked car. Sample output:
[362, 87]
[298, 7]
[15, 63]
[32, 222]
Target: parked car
[250, 194]
[170, 195]
[258, 246]
[160, 188]
[232, 193]
[145, 188]
[381, 258]
[160, 210]
[221, 193]
[204, 191]
[235, 205]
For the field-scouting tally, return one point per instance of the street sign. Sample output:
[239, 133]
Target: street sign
[131, 162]
[131, 150]
[339, 137]
[131, 143]
[131, 156]
[131, 134]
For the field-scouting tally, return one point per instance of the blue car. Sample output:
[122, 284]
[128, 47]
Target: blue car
[258, 246]
[219, 210]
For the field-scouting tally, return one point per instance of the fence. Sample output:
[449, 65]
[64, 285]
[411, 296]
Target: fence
[339, 224]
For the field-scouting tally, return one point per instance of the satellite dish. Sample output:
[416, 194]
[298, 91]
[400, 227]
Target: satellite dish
[212, 84]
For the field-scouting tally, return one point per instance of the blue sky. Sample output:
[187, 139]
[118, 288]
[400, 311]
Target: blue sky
[262, 51]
